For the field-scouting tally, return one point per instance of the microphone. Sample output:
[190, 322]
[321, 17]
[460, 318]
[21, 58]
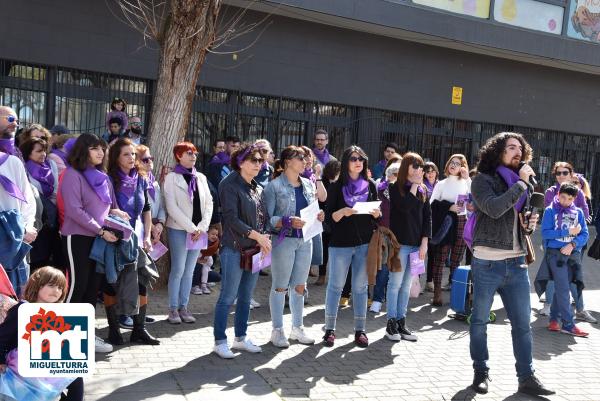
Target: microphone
[532, 179]
[536, 204]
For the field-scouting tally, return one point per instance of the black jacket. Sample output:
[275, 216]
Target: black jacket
[239, 211]
[410, 217]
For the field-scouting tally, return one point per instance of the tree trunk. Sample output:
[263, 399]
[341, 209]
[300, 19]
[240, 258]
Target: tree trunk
[187, 34]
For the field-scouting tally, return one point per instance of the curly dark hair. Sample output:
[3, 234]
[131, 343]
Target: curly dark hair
[490, 154]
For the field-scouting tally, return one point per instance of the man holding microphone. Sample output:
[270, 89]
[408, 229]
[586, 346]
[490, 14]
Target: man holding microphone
[500, 191]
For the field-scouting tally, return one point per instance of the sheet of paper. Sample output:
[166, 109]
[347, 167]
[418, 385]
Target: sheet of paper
[417, 265]
[313, 226]
[158, 250]
[260, 261]
[461, 204]
[200, 243]
[366, 207]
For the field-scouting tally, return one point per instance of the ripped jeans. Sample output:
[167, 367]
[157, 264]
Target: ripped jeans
[290, 264]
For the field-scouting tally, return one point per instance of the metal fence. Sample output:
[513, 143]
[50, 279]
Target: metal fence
[80, 99]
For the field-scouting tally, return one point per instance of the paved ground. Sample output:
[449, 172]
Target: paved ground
[437, 367]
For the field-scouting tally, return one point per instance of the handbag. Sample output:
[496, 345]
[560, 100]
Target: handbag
[246, 257]
[594, 250]
[530, 257]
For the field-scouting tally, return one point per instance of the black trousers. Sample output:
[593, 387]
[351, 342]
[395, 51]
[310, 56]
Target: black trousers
[81, 270]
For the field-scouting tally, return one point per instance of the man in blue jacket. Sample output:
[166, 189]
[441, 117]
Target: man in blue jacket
[565, 233]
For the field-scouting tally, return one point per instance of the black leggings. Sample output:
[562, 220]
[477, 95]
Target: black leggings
[74, 391]
[81, 270]
[323, 267]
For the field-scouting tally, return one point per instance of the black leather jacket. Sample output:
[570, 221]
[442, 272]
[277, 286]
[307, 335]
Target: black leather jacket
[240, 211]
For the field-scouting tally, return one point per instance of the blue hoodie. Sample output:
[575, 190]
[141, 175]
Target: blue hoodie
[557, 237]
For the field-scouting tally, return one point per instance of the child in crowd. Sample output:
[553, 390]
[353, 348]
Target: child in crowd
[45, 285]
[118, 109]
[565, 232]
[202, 272]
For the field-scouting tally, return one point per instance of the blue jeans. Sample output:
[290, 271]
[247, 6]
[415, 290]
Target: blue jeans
[340, 259]
[289, 268]
[381, 282]
[398, 288]
[235, 282]
[512, 283]
[561, 286]
[183, 263]
[579, 306]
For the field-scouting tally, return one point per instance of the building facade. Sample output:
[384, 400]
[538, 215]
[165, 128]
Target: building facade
[368, 71]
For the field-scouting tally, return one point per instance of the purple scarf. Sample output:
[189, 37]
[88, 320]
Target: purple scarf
[42, 173]
[7, 145]
[355, 191]
[429, 186]
[98, 180]
[408, 186]
[9, 186]
[220, 158]
[559, 210]
[511, 178]
[308, 173]
[128, 182]
[151, 190]
[193, 185]
[322, 155]
[383, 184]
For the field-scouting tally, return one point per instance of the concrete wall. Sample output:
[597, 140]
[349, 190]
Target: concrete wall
[306, 60]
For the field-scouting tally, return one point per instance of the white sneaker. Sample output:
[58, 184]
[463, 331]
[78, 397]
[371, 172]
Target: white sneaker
[429, 286]
[585, 316]
[102, 347]
[299, 335]
[223, 351]
[254, 304]
[278, 338]
[196, 290]
[545, 311]
[246, 345]
[375, 307]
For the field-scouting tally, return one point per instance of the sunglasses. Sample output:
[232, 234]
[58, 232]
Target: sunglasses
[12, 119]
[428, 171]
[191, 154]
[559, 173]
[354, 159]
[137, 124]
[416, 165]
[257, 160]
[299, 157]
[147, 160]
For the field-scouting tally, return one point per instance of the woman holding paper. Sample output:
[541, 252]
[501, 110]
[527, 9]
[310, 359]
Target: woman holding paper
[350, 236]
[285, 197]
[410, 221]
[131, 190]
[244, 223]
[88, 198]
[449, 199]
[189, 209]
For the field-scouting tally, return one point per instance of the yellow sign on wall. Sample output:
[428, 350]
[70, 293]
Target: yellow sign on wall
[457, 95]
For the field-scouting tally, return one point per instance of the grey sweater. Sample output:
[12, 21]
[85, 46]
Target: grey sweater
[495, 212]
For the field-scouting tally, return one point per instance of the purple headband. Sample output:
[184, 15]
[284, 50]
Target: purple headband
[250, 149]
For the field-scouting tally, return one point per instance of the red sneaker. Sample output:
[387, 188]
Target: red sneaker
[575, 331]
[554, 326]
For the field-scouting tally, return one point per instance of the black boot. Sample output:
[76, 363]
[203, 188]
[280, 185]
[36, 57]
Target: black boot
[533, 386]
[114, 333]
[139, 333]
[480, 382]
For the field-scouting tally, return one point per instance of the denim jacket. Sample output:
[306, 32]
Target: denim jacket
[280, 198]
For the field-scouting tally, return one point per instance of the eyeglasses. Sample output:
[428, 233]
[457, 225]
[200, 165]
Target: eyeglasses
[564, 172]
[354, 159]
[454, 164]
[299, 157]
[428, 171]
[147, 160]
[136, 124]
[191, 154]
[257, 160]
[12, 119]
[416, 165]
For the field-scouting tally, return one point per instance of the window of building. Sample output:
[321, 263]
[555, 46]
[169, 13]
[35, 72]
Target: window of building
[474, 8]
[584, 20]
[530, 14]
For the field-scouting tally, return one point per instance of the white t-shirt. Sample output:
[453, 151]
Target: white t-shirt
[449, 189]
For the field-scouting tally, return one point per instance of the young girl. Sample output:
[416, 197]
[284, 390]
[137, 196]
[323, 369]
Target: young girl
[118, 108]
[45, 285]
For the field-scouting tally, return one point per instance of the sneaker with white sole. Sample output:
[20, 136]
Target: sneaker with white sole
[246, 345]
[186, 316]
[173, 317]
[545, 311]
[102, 347]
[585, 316]
[429, 286]
[205, 290]
[278, 338]
[299, 335]
[375, 307]
[196, 290]
[254, 304]
[223, 351]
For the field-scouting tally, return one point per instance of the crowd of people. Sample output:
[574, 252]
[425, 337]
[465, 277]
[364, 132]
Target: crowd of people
[92, 208]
